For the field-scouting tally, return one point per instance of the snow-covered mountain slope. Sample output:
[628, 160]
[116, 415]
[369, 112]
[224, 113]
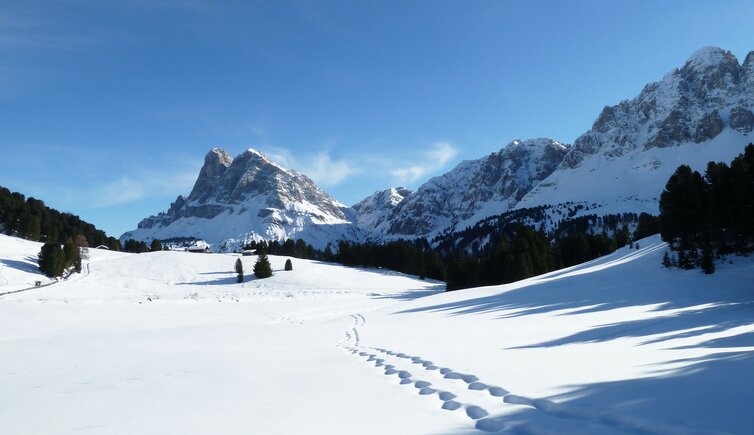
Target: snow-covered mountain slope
[472, 190]
[372, 211]
[249, 198]
[699, 113]
[166, 342]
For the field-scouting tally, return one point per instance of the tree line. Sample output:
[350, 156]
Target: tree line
[704, 217]
[29, 218]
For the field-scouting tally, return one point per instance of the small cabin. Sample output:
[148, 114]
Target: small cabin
[248, 252]
[198, 249]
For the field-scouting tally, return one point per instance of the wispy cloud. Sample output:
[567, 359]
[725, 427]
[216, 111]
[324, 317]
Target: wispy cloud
[128, 189]
[320, 167]
[431, 160]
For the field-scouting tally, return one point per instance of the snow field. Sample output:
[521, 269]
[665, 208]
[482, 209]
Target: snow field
[167, 342]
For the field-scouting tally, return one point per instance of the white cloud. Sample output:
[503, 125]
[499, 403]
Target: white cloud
[320, 166]
[128, 189]
[432, 160]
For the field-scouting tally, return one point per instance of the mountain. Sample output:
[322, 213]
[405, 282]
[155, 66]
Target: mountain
[373, 210]
[471, 191]
[236, 200]
[699, 113]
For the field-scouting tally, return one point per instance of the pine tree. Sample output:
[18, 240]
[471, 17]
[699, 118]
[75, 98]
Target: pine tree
[666, 260]
[262, 268]
[707, 261]
[239, 271]
[288, 264]
[51, 259]
[156, 245]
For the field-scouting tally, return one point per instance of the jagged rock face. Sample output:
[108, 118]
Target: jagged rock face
[689, 104]
[472, 190]
[741, 119]
[373, 210]
[245, 198]
[698, 113]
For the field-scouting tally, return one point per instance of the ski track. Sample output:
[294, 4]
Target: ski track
[481, 401]
[85, 273]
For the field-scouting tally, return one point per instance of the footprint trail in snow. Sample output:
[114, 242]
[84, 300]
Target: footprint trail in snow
[482, 402]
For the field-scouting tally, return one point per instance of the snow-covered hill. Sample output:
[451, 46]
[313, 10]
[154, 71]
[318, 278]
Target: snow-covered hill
[167, 342]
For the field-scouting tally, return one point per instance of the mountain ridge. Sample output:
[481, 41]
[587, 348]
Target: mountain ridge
[697, 113]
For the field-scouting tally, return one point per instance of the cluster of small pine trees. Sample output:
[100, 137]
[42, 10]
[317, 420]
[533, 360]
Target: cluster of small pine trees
[290, 248]
[137, 246]
[705, 217]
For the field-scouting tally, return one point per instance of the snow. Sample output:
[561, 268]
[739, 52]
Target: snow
[166, 342]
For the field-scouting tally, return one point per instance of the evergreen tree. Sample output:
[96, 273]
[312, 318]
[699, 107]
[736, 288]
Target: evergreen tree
[666, 260]
[72, 256]
[156, 245]
[51, 259]
[288, 264]
[239, 270]
[262, 268]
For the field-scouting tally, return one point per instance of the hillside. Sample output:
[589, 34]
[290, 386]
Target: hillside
[166, 342]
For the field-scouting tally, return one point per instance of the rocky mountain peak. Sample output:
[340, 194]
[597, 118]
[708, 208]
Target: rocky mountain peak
[470, 191]
[710, 57]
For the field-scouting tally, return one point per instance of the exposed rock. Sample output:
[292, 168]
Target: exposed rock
[708, 127]
[741, 118]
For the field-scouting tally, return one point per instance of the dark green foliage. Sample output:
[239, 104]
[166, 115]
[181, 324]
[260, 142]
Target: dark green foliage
[707, 261]
[262, 268]
[156, 245]
[51, 259]
[135, 246]
[666, 260]
[648, 226]
[288, 264]
[705, 217]
[239, 270]
[411, 257]
[72, 256]
[32, 219]
[290, 248]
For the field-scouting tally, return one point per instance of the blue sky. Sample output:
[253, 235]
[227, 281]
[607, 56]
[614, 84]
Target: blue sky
[107, 108]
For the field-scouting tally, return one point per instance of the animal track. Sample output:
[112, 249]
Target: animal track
[457, 390]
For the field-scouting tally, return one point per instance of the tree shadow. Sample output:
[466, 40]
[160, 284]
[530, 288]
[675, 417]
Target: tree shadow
[30, 265]
[709, 394]
[686, 303]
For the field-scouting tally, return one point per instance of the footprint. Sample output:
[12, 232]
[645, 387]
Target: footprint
[422, 384]
[406, 381]
[445, 396]
[475, 413]
[451, 405]
[498, 392]
[477, 386]
[404, 374]
[427, 391]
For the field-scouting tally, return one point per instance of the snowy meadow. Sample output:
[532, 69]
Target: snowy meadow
[167, 342]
